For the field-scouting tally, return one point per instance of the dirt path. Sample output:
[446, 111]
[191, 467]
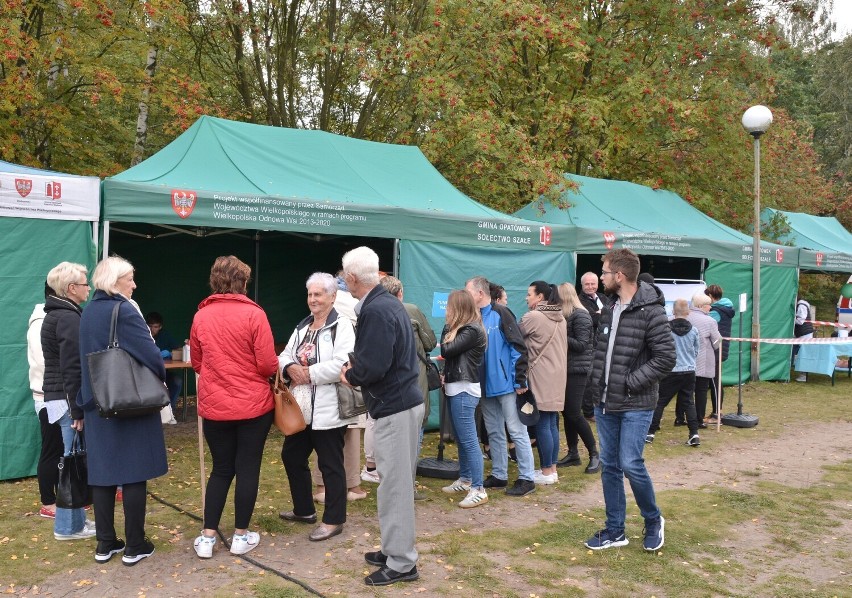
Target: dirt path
[336, 567]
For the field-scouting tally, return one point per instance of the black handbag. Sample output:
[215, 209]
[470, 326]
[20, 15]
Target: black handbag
[122, 386]
[72, 487]
[433, 377]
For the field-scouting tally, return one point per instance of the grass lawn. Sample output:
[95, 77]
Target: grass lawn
[732, 531]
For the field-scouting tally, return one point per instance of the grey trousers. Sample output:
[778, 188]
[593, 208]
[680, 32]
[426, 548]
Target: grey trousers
[396, 437]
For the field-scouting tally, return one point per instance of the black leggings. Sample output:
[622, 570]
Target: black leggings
[575, 424]
[48, 461]
[237, 450]
[133, 502]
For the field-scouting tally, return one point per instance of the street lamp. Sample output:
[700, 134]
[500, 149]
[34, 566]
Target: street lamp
[756, 121]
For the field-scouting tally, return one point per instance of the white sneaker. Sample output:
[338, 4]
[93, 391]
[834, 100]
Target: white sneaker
[457, 486]
[172, 422]
[370, 476]
[204, 546]
[88, 531]
[545, 480]
[245, 543]
[474, 498]
[802, 378]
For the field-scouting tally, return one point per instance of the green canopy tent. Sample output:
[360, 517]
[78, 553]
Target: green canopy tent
[824, 244]
[315, 188]
[45, 218]
[611, 214]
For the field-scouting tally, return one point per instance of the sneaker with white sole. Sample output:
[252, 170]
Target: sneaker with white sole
[649, 438]
[655, 534]
[204, 546]
[106, 550]
[146, 550]
[370, 476]
[474, 498]
[88, 531]
[606, 538]
[545, 480]
[457, 486]
[693, 441]
[245, 543]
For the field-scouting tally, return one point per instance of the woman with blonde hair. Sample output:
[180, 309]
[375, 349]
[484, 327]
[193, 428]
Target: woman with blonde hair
[60, 345]
[124, 452]
[580, 346]
[463, 343]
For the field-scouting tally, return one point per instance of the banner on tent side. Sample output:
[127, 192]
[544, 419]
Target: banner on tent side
[825, 260]
[134, 202]
[49, 197]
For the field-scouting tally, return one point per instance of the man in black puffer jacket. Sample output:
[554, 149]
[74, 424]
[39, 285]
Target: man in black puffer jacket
[634, 351]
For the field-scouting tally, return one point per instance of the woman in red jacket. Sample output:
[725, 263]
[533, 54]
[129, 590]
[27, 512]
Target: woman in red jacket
[234, 355]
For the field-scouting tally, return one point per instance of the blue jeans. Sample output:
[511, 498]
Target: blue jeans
[68, 521]
[503, 411]
[462, 408]
[174, 382]
[622, 440]
[547, 435]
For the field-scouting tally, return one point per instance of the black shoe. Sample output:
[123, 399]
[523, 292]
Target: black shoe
[106, 550]
[569, 460]
[379, 558]
[386, 576]
[291, 516]
[702, 425]
[521, 488]
[492, 482]
[488, 454]
[679, 422]
[512, 455]
[143, 552]
[594, 465]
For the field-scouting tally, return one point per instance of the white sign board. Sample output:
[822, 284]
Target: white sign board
[49, 196]
[680, 291]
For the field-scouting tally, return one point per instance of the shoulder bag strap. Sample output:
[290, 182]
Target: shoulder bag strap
[547, 344]
[113, 337]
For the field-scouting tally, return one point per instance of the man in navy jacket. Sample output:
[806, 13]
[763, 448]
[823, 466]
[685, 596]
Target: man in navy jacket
[384, 364]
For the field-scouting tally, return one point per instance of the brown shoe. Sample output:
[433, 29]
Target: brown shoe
[324, 532]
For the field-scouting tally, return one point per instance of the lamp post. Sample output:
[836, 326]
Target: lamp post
[756, 121]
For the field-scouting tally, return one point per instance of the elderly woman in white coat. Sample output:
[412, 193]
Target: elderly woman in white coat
[312, 359]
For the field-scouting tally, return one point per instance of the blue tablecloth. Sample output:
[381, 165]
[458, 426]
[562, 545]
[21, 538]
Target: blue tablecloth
[820, 359]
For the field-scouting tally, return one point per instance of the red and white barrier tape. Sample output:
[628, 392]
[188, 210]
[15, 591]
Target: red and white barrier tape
[835, 324]
[793, 341]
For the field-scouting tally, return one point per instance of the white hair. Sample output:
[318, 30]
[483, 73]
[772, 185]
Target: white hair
[64, 274]
[325, 280]
[107, 273]
[700, 300]
[363, 263]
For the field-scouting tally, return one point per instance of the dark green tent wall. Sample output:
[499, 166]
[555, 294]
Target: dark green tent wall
[30, 248]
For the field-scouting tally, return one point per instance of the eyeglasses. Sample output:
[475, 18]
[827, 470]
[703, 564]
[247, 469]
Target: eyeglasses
[80, 284]
[603, 272]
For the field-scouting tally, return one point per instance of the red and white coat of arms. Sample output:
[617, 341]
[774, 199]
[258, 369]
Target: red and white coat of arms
[183, 202]
[23, 186]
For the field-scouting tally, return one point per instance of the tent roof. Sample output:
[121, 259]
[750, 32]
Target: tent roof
[254, 176]
[827, 243]
[611, 213]
[27, 192]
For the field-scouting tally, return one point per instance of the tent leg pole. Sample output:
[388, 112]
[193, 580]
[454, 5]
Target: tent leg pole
[105, 253]
[396, 258]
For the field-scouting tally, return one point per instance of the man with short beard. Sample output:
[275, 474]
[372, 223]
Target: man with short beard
[634, 351]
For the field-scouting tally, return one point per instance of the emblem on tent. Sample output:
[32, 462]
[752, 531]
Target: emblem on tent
[23, 186]
[609, 239]
[779, 255]
[53, 190]
[183, 202]
[819, 257]
[544, 235]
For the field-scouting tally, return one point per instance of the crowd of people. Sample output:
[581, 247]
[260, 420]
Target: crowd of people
[612, 358]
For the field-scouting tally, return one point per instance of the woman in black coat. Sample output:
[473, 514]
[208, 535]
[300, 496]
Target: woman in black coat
[60, 345]
[580, 346]
[124, 452]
